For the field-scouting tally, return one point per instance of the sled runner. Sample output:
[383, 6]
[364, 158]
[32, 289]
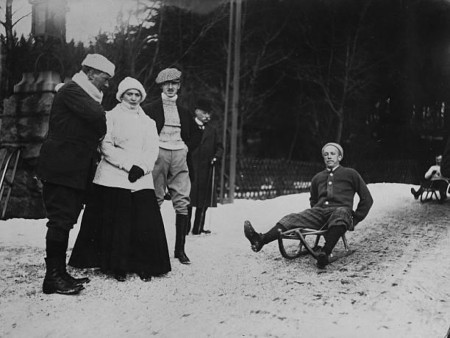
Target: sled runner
[430, 193]
[303, 241]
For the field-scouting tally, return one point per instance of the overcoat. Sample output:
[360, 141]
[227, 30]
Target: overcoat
[201, 186]
[76, 125]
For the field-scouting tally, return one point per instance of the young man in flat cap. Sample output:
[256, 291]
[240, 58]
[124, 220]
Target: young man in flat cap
[332, 193]
[67, 163]
[175, 125]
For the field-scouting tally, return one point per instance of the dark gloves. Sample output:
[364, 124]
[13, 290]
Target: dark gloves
[135, 173]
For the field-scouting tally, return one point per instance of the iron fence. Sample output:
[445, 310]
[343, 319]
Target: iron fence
[268, 178]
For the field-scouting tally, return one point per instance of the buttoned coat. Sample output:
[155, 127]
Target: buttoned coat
[77, 124]
[203, 187]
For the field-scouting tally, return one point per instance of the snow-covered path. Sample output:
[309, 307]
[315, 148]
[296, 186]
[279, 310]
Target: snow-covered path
[397, 283]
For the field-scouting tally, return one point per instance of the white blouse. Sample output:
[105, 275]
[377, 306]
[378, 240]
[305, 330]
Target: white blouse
[131, 139]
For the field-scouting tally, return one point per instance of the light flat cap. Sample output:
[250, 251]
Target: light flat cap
[168, 74]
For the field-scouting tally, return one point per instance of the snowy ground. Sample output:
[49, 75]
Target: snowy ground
[397, 284]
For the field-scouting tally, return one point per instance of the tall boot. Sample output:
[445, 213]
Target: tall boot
[54, 281]
[197, 222]
[188, 227]
[66, 275]
[258, 240]
[180, 238]
[69, 278]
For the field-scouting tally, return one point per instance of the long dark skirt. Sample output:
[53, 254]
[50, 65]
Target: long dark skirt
[122, 231]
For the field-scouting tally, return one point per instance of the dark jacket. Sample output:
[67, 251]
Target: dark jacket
[210, 146]
[156, 112]
[338, 190]
[76, 126]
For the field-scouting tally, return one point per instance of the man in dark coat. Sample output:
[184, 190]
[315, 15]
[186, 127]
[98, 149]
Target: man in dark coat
[332, 194]
[174, 125]
[67, 163]
[205, 159]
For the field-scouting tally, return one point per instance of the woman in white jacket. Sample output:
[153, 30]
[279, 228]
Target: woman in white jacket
[122, 230]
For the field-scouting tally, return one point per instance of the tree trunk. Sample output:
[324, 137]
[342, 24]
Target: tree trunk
[340, 125]
[9, 46]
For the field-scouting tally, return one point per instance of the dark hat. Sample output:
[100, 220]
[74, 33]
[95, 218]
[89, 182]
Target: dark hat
[203, 104]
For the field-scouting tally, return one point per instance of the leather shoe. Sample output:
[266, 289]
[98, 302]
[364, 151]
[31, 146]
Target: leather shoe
[182, 257]
[254, 238]
[415, 193]
[322, 260]
[145, 276]
[75, 281]
[206, 232]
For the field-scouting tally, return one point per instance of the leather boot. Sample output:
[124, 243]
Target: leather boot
[196, 227]
[332, 236]
[188, 227]
[71, 279]
[417, 193]
[55, 281]
[258, 240]
[180, 238]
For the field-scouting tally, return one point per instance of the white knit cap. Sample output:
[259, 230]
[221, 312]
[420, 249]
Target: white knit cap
[130, 83]
[100, 63]
[168, 74]
[337, 146]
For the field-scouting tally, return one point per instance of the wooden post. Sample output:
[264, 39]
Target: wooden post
[235, 99]
[227, 105]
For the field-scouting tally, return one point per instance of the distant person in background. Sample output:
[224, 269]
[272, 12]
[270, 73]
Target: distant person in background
[433, 176]
[67, 162]
[332, 193]
[122, 230]
[171, 172]
[205, 159]
[445, 164]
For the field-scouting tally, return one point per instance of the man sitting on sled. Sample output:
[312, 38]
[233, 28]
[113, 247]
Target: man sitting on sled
[332, 193]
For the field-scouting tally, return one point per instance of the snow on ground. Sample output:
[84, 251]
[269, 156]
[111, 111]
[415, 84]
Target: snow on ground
[396, 284]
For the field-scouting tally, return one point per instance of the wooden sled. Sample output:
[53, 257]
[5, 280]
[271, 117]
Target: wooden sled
[431, 193]
[303, 241]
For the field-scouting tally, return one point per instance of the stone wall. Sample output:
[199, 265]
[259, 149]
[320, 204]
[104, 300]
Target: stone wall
[24, 123]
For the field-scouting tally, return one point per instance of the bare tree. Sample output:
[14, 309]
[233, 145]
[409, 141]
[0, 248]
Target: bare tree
[337, 67]
[259, 53]
[8, 24]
